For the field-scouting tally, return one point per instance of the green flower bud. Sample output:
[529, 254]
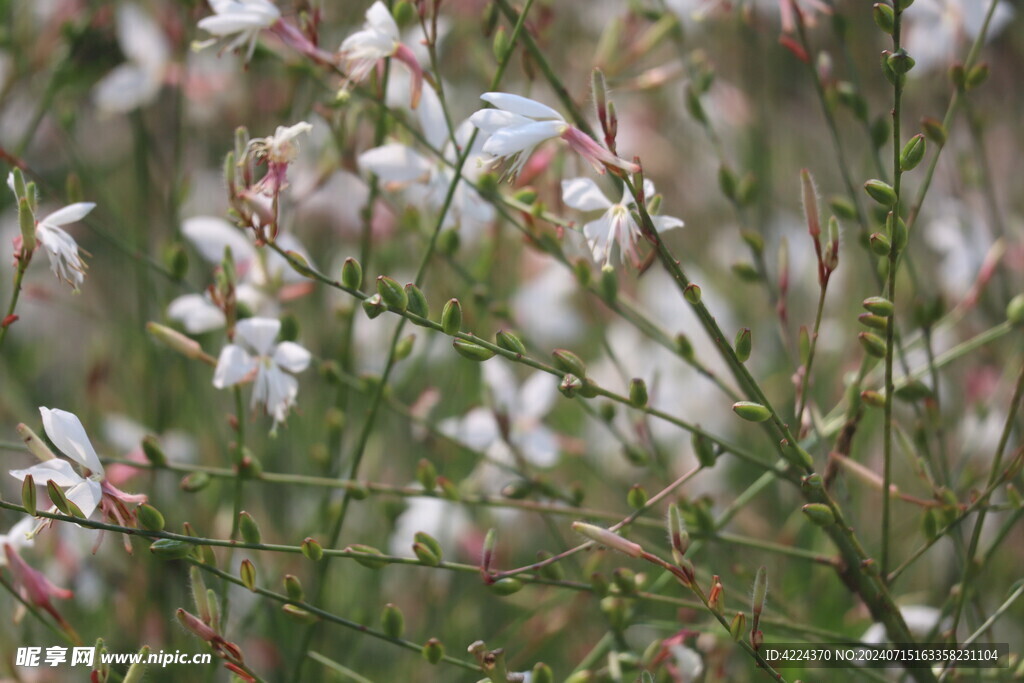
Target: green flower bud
[404, 12]
[28, 494]
[884, 16]
[819, 513]
[451, 317]
[692, 293]
[63, 503]
[879, 244]
[426, 474]
[930, 524]
[567, 361]
[507, 586]
[352, 274]
[433, 651]
[897, 232]
[874, 399]
[873, 344]
[704, 449]
[913, 390]
[743, 344]
[638, 392]
[368, 556]
[312, 549]
[417, 302]
[541, 674]
[1015, 310]
[170, 549]
[501, 44]
[843, 208]
[425, 554]
[609, 283]
[738, 626]
[728, 182]
[552, 571]
[392, 293]
[373, 306]
[900, 62]
[404, 347]
[913, 152]
[678, 536]
[878, 305]
[760, 592]
[293, 588]
[977, 75]
[875, 322]
[472, 351]
[149, 517]
[745, 271]
[153, 452]
[881, 192]
[249, 528]
[750, 411]
[637, 497]
[510, 342]
[393, 621]
[194, 481]
[27, 224]
[247, 572]
[448, 241]
[934, 131]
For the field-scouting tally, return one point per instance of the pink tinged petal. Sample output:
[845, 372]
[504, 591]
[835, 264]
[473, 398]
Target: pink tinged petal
[61, 472]
[379, 18]
[395, 163]
[196, 313]
[490, 121]
[404, 55]
[592, 152]
[211, 236]
[521, 105]
[291, 357]
[536, 397]
[35, 587]
[69, 214]
[68, 435]
[258, 334]
[233, 366]
[515, 139]
[663, 223]
[583, 194]
[538, 444]
[86, 495]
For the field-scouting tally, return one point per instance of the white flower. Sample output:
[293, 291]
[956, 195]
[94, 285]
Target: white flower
[427, 180]
[518, 125]
[256, 357]
[445, 521]
[935, 30]
[920, 620]
[66, 432]
[243, 19]
[20, 536]
[278, 150]
[60, 247]
[137, 82]
[379, 39]
[616, 225]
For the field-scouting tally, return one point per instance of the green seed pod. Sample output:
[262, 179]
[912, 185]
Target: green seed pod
[977, 75]
[569, 362]
[63, 503]
[137, 671]
[704, 449]
[367, 556]
[875, 322]
[760, 592]
[153, 452]
[352, 274]
[27, 224]
[417, 302]
[373, 306]
[312, 549]
[743, 344]
[451, 317]
[609, 284]
[472, 351]
[934, 131]
[873, 344]
[819, 513]
[913, 152]
[878, 305]
[426, 474]
[392, 293]
[1015, 310]
[541, 674]
[507, 586]
[638, 392]
[750, 411]
[804, 343]
[433, 651]
[881, 192]
[678, 536]
[28, 494]
[150, 518]
[249, 528]
[170, 548]
[500, 44]
[247, 572]
[884, 16]
[426, 555]
[879, 244]
[728, 182]
[637, 497]
[745, 271]
[738, 626]
[900, 62]
[510, 342]
[692, 293]
[293, 588]
[392, 620]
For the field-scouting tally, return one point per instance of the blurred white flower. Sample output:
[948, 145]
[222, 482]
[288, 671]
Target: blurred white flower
[616, 225]
[137, 82]
[241, 19]
[20, 536]
[445, 521]
[379, 39]
[518, 125]
[257, 358]
[935, 31]
[427, 180]
[278, 150]
[920, 619]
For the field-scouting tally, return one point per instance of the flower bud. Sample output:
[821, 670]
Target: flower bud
[743, 344]
[738, 626]
[28, 494]
[684, 347]
[692, 293]
[884, 16]
[874, 399]
[393, 621]
[150, 518]
[745, 271]
[873, 344]
[679, 537]
[433, 651]
[881, 191]
[819, 513]
[312, 549]
[875, 322]
[153, 452]
[194, 482]
[500, 44]
[750, 411]
[59, 499]
[704, 449]
[879, 244]
[637, 497]
[912, 391]
[27, 224]
[451, 317]
[178, 342]
[759, 594]
[570, 385]
[878, 305]
[507, 586]
[541, 674]
[472, 351]
[392, 294]
[247, 572]
[900, 62]
[170, 548]
[913, 152]
[373, 306]
[569, 362]
[609, 283]
[249, 528]
[897, 229]
[977, 75]
[510, 342]
[934, 131]
[1015, 310]
[843, 207]
[728, 182]
[367, 556]
[35, 445]
[293, 588]
[352, 274]
[638, 392]
[552, 571]
[426, 474]
[608, 538]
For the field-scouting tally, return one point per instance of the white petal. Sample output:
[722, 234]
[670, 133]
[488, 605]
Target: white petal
[61, 472]
[598, 233]
[583, 194]
[379, 18]
[477, 429]
[140, 37]
[196, 313]
[536, 396]
[291, 357]
[258, 334]
[663, 223]
[490, 121]
[126, 88]
[395, 163]
[68, 435]
[521, 105]
[69, 214]
[211, 236]
[514, 139]
[431, 116]
[17, 537]
[233, 365]
[275, 390]
[501, 383]
[538, 444]
[86, 495]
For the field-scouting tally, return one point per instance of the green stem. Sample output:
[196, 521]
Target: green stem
[19, 275]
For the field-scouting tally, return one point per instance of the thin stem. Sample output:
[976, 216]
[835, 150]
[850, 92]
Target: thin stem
[19, 275]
